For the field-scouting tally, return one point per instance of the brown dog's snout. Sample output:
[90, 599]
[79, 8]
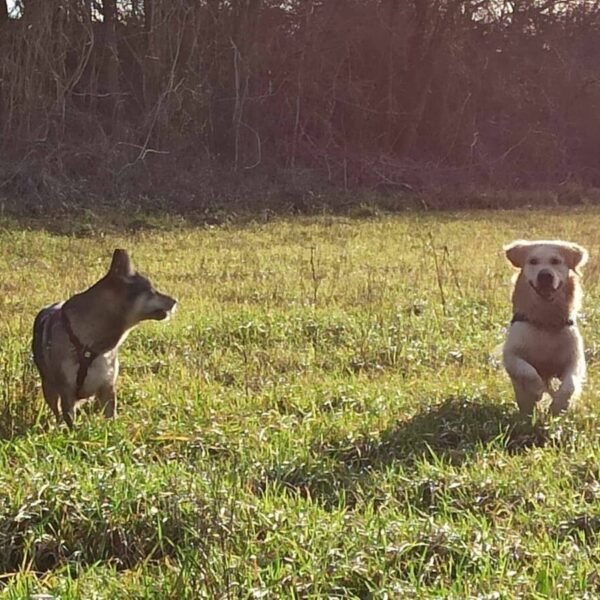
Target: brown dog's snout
[545, 278]
[170, 302]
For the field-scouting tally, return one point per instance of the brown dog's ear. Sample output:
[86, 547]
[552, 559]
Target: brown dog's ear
[575, 255]
[121, 265]
[517, 252]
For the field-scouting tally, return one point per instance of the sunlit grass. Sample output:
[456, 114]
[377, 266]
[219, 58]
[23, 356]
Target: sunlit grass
[324, 417]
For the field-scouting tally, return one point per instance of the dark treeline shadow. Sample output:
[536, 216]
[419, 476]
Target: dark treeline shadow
[144, 97]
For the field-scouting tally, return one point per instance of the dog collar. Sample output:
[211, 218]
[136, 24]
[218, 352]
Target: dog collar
[85, 355]
[522, 318]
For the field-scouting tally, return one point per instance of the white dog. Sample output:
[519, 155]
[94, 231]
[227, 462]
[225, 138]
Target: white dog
[543, 341]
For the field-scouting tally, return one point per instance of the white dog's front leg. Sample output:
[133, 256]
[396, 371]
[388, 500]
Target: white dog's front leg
[567, 393]
[527, 383]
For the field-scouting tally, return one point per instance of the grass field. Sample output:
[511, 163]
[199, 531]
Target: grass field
[323, 418]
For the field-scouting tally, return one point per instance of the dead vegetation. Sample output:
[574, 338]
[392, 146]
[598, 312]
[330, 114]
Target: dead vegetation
[153, 97]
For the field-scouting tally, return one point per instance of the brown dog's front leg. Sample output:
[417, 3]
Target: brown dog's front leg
[107, 397]
[67, 404]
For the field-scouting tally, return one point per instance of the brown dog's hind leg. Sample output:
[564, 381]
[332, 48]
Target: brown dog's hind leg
[51, 397]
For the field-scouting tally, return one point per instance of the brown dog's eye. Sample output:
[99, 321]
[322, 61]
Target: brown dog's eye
[555, 261]
[533, 261]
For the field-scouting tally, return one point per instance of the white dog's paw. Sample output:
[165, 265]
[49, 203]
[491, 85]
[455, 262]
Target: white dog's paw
[562, 400]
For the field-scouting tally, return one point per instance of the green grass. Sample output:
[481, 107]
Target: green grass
[324, 418]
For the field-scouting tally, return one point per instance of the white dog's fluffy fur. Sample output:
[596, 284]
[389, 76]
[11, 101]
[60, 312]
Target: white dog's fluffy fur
[543, 341]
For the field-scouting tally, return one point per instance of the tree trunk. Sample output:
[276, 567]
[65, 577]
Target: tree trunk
[110, 62]
[390, 117]
[3, 12]
[151, 60]
[32, 10]
[426, 50]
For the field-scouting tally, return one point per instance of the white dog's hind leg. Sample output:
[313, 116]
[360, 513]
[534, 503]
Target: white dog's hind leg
[527, 383]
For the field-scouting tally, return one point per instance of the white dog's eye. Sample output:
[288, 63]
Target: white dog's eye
[533, 261]
[555, 261]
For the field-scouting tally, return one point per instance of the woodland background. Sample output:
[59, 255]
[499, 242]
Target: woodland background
[190, 100]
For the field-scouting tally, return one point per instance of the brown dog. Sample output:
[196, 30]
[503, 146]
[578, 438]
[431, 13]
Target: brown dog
[75, 343]
[543, 341]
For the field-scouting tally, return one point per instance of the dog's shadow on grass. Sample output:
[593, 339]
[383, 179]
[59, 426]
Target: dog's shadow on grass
[451, 432]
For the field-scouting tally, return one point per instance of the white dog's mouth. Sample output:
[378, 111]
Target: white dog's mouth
[547, 292]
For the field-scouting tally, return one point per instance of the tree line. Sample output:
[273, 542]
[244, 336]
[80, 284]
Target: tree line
[363, 92]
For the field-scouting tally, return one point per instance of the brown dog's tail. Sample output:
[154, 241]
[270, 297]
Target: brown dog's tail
[41, 333]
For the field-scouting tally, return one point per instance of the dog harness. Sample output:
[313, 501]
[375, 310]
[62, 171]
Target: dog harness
[522, 318]
[85, 355]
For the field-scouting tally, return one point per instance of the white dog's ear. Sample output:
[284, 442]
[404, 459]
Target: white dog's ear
[517, 252]
[575, 255]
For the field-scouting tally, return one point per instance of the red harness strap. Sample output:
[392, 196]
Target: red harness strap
[85, 355]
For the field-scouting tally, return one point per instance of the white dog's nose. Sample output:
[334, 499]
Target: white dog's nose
[545, 278]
